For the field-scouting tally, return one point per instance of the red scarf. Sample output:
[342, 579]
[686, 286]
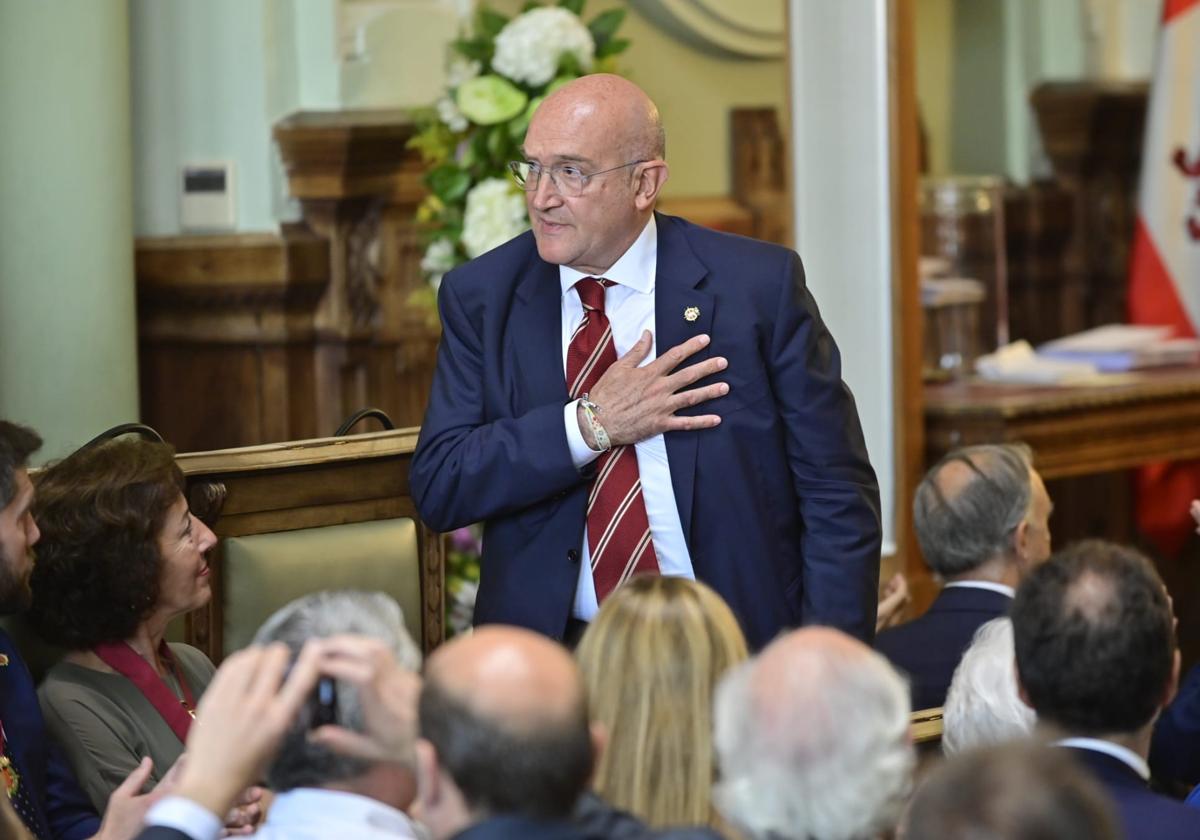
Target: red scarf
[128, 663]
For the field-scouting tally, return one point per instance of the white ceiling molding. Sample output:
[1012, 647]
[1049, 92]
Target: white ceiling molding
[747, 28]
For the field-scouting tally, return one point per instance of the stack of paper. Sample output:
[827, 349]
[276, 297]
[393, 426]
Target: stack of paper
[1018, 363]
[1121, 347]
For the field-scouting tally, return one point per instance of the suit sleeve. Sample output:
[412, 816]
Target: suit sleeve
[468, 468]
[68, 812]
[835, 484]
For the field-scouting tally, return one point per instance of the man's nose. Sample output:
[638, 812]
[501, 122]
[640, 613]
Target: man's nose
[544, 195]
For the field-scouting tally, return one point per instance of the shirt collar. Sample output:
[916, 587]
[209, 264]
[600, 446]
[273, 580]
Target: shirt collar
[1123, 754]
[1003, 589]
[634, 270]
[304, 806]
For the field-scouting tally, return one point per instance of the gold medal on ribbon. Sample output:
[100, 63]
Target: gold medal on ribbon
[8, 775]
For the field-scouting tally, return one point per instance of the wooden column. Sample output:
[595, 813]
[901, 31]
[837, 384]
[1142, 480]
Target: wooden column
[1092, 132]
[359, 187]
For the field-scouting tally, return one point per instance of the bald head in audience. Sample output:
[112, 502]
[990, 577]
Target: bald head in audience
[504, 731]
[812, 740]
[1018, 791]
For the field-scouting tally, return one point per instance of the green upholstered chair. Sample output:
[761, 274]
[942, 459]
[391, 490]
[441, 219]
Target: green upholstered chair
[265, 571]
[303, 516]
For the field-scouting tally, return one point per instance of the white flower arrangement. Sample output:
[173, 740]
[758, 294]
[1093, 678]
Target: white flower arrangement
[495, 214]
[496, 76]
[530, 47]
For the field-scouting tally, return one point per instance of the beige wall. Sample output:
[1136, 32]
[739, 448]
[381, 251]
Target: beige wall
[694, 92]
[934, 50]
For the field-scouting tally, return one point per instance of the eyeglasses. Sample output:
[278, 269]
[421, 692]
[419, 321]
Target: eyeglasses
[567, 178]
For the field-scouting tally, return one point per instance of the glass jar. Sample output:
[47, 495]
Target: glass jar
[962, 222]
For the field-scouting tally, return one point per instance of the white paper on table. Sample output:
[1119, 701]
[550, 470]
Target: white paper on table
[1017, 362]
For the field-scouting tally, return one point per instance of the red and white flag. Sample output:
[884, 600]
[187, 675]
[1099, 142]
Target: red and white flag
[1164, 272]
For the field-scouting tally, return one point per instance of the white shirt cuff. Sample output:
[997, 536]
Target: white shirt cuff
[181, 814]
[581, 453]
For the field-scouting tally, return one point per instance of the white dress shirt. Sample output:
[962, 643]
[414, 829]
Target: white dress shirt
[1002, 588]
[1123, 754]
[300, 814]
[629, 306]
[319, 814]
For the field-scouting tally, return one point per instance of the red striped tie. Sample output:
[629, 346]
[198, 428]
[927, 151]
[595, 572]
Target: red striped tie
[618, 529]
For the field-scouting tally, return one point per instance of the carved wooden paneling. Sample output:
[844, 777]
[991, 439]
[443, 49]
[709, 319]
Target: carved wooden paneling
[225, 328]
[1092, 132]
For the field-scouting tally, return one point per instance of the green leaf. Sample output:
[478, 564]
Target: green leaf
[606, 24]
[611, 47]
[490, 99]
[575, 6]
[449, 182]
[530, 6]
[476, 50]
[497, 145]
[490, 22]
[568, 65]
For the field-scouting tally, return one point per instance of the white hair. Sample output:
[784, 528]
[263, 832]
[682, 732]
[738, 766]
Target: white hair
[824, 753]
[983, 706]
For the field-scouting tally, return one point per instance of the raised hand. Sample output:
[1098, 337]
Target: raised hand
[388, 693]
[637, 403]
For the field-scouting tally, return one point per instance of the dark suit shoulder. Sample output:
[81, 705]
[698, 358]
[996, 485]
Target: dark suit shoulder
[722, 247]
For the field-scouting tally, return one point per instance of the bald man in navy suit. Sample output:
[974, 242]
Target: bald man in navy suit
[982, 518]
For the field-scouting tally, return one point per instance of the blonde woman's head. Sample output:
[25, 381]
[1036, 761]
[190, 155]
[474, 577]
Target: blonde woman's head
[650, 661]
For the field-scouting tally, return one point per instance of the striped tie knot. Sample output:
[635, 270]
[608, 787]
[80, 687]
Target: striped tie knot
[591, 292]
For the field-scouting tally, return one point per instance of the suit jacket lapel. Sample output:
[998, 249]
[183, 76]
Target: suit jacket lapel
[681, 311]
[535, 331]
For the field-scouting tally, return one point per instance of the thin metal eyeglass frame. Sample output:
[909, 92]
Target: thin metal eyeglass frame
[524, 184]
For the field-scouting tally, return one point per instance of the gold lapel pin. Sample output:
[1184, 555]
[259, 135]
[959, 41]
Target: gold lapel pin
[691, 313]
[3, 660]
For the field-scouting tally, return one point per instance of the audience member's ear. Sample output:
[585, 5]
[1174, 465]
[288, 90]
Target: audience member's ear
[1021, 692]
[1021, 544]
[1173, 682]
[599, 736]
[429, 783]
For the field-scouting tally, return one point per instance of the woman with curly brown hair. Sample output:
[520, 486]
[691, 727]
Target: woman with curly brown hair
[120, 557]
[650, 662]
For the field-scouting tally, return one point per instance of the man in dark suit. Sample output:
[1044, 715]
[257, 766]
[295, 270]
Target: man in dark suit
[1097, 660]
[981, 516]
[705, 414]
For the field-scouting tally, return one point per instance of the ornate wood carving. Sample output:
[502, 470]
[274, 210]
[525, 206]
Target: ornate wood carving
[225, 328]
[1092, 132]
[760, 171]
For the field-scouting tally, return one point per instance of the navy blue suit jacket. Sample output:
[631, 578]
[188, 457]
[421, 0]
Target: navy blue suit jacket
[1145, 815]
[929, 648]
[1175, 750]
[779, 504]
[68, 813]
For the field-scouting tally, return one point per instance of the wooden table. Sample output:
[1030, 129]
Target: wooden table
[1128, 420]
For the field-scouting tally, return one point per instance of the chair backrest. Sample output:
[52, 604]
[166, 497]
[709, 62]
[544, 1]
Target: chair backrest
[299, 517]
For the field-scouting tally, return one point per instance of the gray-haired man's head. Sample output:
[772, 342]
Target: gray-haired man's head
[321, 615]
[979, 505]
[812, 740]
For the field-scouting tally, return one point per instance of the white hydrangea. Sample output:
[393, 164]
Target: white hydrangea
[461, 70]
[439, 256]
[449, 114]
[529, 46]
[495, 214]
